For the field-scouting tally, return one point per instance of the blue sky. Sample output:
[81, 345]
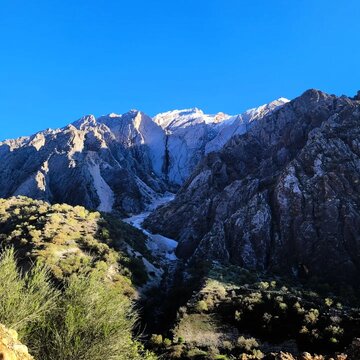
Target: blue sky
[61, 59]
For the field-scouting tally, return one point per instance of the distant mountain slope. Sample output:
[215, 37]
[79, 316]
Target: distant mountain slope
[116, 162]
[85, 163]
[284, 196]
[72, 239]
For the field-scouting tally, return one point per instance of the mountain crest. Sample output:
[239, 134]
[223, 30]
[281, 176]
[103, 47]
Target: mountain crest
[85, 122]
[117, 162]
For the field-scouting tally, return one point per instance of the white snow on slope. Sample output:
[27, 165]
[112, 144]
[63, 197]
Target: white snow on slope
[161, 247]
[172, 120]
[103, 190]
[240, 124]
[191, 134]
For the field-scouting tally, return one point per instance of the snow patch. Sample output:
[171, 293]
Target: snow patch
[103, 190]
[38, 141]
[160, 246]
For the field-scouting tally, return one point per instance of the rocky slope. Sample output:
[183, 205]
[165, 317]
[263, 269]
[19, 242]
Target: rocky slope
[115, 162]
[102, 164]
[190, 134]
[284, 196]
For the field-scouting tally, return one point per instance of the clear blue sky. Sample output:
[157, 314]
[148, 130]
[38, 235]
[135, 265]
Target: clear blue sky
[61, 59]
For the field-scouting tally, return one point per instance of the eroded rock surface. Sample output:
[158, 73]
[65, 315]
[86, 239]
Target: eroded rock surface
[284, 196]
[116, 162]
[10, 347]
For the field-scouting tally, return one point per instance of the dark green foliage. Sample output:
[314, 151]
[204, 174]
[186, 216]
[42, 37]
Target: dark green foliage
[265, 314]
[93, 320]
[25, 299]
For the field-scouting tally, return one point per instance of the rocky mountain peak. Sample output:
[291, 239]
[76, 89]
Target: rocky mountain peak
[86, 121]
[314, 95]
[179, 118]
[282, 192]
[357, 96]
[116, 161]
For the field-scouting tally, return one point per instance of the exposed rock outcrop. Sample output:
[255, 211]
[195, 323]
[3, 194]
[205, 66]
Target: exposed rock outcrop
[115, 162]
[10, 347]
[94, 163]
[284, 196]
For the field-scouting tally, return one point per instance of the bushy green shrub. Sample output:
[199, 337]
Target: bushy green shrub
[201, 306]
[312, 316]
[247, 344]
[25, 300]
[93, 320]
[89, 319]
[156, 340]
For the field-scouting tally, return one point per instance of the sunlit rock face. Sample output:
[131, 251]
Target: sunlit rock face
[284, 196]
[116, 162]
[190, 134]
[10, 347]
[105, 164]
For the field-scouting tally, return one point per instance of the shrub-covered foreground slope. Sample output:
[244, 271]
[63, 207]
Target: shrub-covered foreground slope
[66, 281]
[71, 239]
[239, 314]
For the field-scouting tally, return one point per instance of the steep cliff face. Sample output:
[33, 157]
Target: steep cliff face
[191, 134]
[284, 196]
[105, 164]
[115, 162]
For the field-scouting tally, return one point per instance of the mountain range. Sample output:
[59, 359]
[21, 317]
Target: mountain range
[117, 162]
[247, 239]
[283, 197]
[275, 188]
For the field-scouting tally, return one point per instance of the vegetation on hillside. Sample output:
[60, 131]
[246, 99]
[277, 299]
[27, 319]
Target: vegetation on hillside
[71, 240]
[66, 281]
[242, 314]
[66, 286]
[89, 318]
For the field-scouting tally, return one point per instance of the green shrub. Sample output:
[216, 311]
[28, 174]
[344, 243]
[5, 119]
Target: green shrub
[93, 320]
[263, 285]
[312, 316]
[156, 340]
[328, 302]
[24, 299]
[257, 354]
[201, 306]
[167, 342]
[88, 319]
[247, 344]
